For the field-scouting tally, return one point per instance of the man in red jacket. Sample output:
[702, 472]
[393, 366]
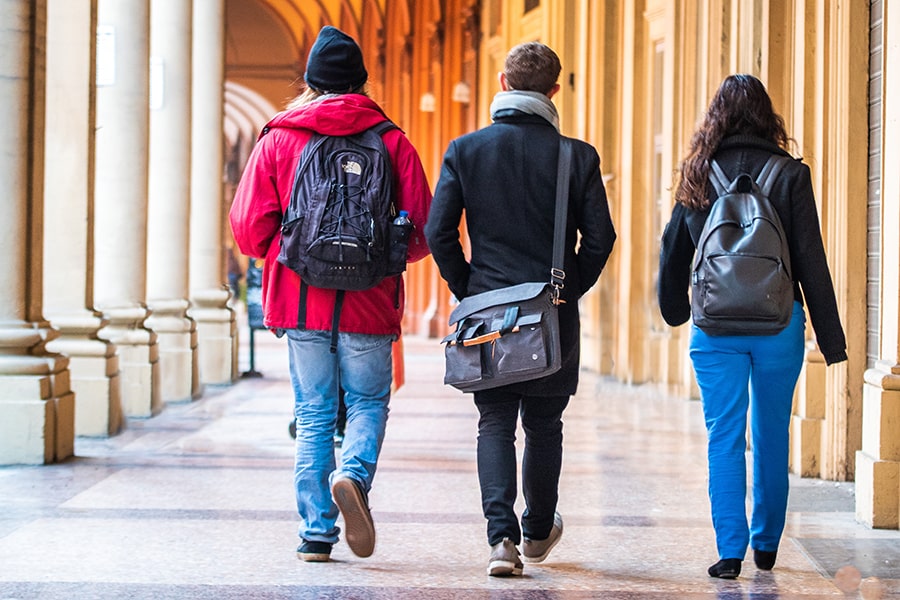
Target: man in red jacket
[335, 104]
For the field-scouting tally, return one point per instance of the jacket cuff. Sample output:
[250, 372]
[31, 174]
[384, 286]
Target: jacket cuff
[835, 357]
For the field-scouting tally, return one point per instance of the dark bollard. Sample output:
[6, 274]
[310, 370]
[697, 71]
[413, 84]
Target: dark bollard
[254, 310]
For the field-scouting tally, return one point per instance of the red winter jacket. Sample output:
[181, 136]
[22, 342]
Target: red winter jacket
[263, 194]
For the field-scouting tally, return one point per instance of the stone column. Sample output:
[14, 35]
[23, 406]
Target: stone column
[216, 323]
[633, 259]
[801, 97]
[120, 198]
[845, 121]
[169, 198]
[878, 463]
[37, 407]
[68, 199]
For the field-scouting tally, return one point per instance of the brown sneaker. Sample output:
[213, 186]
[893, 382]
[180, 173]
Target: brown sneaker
[504, 559]
[536, 551]
[354, 506]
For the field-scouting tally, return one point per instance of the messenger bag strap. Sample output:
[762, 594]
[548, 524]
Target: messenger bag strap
[557, 272]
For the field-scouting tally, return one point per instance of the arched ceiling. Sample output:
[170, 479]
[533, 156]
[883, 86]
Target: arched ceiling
[268, 40]
[245, 114]
[304, 16]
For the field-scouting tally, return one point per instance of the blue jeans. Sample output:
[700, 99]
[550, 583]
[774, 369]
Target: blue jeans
[541, 462]
[362, 367]
[725, 366]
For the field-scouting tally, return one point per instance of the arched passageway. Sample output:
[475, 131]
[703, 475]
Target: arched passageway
[95, 110]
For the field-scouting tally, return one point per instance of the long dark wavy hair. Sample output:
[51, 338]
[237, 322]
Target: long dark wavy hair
[740, 106]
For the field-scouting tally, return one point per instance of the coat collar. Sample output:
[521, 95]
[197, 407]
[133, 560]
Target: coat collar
[511, 115]
[749, 142]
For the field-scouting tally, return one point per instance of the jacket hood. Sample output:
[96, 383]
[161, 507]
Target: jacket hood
[344, 114]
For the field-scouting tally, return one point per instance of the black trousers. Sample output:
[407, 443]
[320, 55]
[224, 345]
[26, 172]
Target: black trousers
[541, 462]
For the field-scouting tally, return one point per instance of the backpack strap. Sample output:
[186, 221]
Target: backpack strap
[383, 127]
[764, 182]
[718, 178]
[336, 320]
[301, 309]
[335, 316]
[769, 172]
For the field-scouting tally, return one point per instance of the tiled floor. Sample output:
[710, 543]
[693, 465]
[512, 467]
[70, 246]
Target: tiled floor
[198, 503]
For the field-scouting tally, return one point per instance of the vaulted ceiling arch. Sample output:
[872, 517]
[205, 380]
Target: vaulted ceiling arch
[269, 40]
[304, 18]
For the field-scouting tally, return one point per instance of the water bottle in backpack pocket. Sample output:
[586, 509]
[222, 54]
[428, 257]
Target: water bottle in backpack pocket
[401, 229]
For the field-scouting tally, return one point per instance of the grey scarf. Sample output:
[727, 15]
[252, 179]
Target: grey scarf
[532, 103]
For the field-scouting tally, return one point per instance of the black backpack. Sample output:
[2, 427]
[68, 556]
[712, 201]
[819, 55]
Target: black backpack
[741, 282]
[336, 231]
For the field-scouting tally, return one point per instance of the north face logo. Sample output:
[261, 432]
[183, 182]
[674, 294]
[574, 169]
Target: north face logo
[352, 167]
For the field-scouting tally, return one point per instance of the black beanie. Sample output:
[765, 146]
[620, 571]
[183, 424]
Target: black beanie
[335, 62]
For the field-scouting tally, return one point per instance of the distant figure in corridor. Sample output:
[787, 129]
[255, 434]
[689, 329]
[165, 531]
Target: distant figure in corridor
[741, 132]
[503, 177]
[362, 329]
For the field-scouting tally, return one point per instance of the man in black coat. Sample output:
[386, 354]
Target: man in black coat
[503, 177]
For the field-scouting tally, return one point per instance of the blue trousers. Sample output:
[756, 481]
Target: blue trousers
[362, 367]
[735, 373]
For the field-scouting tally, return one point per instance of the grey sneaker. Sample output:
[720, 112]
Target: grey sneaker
[536, 551]
[351, 500]
[504, 559]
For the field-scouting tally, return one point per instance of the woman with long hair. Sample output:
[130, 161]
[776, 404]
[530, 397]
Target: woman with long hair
[736, 372]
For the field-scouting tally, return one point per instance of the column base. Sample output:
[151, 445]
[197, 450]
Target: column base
[37, 417]
[37, 406]
[808, 416]
[877, 492]
[177, 336]
[139, 366]
[806, 441]
[138, 359]
[217, 341]
[94, 367]
[178, 366]
[878, 462]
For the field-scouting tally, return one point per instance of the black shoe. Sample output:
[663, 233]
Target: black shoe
[314, 551]
[764, 560]
[727, 568]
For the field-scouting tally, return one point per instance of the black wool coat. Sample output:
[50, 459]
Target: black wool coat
[502, 180]
[792, 197]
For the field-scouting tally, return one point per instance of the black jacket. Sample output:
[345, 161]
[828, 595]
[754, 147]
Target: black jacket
[503, 177]
[792, 197]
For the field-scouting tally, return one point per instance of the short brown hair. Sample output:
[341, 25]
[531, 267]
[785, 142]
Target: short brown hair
[533, 67]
